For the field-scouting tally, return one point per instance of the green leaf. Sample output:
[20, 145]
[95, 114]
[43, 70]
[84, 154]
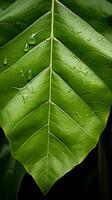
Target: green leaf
[55, 83]
[11, 172]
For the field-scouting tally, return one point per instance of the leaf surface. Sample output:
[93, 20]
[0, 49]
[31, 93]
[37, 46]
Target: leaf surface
[55, 83]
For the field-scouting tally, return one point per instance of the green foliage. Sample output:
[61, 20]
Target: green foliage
[11, 171]
[55, 82]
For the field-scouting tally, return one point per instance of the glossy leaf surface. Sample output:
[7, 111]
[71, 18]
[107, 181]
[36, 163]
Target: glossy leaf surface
[55, 82]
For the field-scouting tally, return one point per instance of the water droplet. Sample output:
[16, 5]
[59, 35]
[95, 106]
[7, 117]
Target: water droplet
[25, 95]
[32, 39]
[26, 48]
[29, 75]
[22, 73]
[5, 61]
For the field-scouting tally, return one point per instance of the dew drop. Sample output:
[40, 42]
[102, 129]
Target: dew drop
[5, 61]
[32, 39]
[26, 48]
[29, 75]
[22, 73]
[25, 95]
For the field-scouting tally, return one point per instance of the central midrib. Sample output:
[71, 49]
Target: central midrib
[50, 78]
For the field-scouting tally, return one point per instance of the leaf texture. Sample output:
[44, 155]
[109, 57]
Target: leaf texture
[55, 82]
